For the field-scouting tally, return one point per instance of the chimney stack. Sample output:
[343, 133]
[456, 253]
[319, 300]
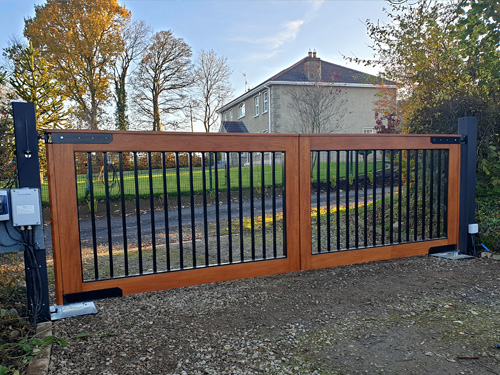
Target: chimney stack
[309, 54]
[314, 54]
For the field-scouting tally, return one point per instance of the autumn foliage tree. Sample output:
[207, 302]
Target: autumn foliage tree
[81, 40]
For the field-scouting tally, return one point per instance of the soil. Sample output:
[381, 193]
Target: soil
[419, 315]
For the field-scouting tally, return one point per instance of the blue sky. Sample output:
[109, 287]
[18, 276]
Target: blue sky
[258, 37]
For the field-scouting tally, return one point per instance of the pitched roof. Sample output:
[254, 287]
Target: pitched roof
[234, 127]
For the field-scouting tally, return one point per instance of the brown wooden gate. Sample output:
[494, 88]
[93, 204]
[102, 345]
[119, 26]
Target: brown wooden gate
[289, 183]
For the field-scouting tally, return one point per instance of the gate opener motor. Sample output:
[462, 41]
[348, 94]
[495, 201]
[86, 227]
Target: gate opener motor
[25, 207]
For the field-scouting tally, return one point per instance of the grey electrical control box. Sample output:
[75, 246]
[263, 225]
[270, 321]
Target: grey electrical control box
[25, 207]
[4, 205]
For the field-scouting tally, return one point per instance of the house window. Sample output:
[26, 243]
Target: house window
[225, 116]
[265, 101]
[241, 110]
[369, 131]
[231, 115]
[256, 105]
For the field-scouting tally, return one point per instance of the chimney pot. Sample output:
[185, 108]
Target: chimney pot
[309, 54]
[314, 53]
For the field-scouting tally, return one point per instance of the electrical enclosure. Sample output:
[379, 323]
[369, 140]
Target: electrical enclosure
[4, 205]
[25, 207]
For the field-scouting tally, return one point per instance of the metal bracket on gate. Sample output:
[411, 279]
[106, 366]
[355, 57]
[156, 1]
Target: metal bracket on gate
[449, 140]
[87, 138]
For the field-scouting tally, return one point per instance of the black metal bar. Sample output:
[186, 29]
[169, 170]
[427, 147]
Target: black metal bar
[347, 177]
[424, 183]
[275, 249]
[240, 201]
[408, 178]
[165, 208]
[90, 177]
[252, 213]
[205, 213]
[439, 185]
[328, 209]
[108, 213]
[431, 197]
[391, 214]
[365, 193]
[338, 199]
[179, 210]
[138, 213]
[400, 194]
[229, 219]
[318, 200]
[217, 210]
[124, 214]
[382, 221]
[191, 194]
[415, 203]
[263, 194]
[283, 195]
[356, 200]
[374, 201]
[152, 211]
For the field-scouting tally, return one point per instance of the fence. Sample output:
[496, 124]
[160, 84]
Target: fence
[143, 211]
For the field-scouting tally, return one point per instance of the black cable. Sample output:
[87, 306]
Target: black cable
[10, 236]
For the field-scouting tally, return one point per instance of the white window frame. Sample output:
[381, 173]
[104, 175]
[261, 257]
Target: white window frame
[225, 116]
[241, 110]
[256, 105]
[231, 115]
[265, 101]
[369, 131]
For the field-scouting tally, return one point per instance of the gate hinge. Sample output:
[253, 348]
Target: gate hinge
[449, 140]
[87, 138]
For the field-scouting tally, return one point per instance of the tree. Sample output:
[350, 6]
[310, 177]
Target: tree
[81, 40]
[387, 111]
[212, 87]
[316, 107]
[134, 42]
[162, 78]
[7, 169]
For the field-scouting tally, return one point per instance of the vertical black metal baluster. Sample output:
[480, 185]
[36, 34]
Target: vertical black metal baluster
[445, 198]
[275, 249]
[356, 200]
[382, 221]
[415, 203]
[424, 183]
[179, 210]
[152, 211]
[193, 222]
[400, 193]
[217, 213]
[439, 185]
[263, 208]
[138, 213]
[124, 214]
[347, 175]
[205, 214]
[240, 201]
[374, 201]
[318, 200]
[365, 193]
[408, 178]
[338, 198]
[283, 196]
[252, 213]
[391, 214]
[431, 197]
[165, 208]
[108, 213]
[92, 214]
[229, 218]
[328, 213]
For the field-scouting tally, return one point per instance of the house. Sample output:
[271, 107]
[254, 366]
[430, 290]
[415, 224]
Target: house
[277, 104]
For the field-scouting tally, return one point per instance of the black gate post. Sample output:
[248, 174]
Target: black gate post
[467, 127]
[28, 169]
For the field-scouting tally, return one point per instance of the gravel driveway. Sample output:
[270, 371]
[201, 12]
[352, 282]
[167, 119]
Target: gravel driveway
[420, 315]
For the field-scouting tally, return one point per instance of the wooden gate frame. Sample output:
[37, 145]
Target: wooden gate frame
[318, 142]
[297, 148]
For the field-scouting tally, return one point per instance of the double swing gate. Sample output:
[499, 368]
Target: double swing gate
[138, 211]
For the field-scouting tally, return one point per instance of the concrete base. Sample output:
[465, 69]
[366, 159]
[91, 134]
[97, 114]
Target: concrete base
[454, 255]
